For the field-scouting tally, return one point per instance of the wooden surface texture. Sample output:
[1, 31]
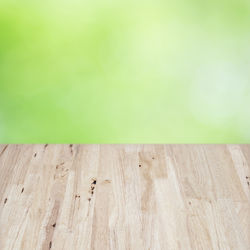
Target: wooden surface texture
[124, 197]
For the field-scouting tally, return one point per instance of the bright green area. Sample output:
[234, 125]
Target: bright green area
[125, 71]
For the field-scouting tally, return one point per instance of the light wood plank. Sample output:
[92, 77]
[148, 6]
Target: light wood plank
[124, 197]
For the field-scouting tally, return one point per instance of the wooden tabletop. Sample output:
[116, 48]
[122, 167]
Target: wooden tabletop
[124, 197]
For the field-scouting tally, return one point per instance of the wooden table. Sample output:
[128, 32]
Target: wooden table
[124, 197]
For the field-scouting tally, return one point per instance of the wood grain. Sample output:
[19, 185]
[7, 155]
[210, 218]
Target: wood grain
[124, 197]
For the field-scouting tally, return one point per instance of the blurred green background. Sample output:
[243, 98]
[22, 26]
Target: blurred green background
[125, 71]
